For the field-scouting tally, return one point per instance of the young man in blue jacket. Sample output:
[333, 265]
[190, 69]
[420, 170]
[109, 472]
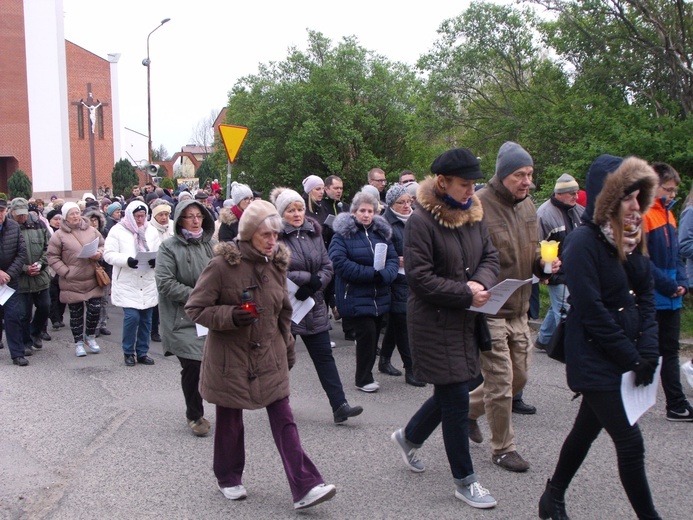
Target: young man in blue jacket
[671, 284]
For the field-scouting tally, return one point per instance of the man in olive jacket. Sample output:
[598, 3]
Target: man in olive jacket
[34, 280]
[511, 219]
[12, 258]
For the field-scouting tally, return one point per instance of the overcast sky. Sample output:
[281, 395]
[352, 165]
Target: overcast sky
[197, 57]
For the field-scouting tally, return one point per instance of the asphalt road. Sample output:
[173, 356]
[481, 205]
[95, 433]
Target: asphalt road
[91, 438]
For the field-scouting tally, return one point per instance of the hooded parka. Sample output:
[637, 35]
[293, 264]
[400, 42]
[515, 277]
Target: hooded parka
[244, 367]
[444, 249]
[179, 263]
[611, 323]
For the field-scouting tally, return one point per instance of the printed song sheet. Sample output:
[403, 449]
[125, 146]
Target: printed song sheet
[499, 295]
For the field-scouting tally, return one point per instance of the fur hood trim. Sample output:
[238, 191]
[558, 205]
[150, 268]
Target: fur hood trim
[232, 254]
[346, 226]
[227, 217]
[445, 215]
[96, 213]
[632, 171]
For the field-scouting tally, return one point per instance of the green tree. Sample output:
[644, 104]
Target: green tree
[167, 183]
[124, 177]
[19, 185]
[207, 172]
[328, 110]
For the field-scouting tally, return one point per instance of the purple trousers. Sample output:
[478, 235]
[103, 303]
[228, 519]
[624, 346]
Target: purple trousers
[229, 448]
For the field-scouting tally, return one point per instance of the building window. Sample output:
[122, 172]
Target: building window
[80, 121]
[99, 119]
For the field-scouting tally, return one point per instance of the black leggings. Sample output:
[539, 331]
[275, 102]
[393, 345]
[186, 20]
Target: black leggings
[77, 318]
[605, 410]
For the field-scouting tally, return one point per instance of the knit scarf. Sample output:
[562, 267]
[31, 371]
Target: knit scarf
[129, 223]
[632, 233]
[188, 235]
[402, 218]
[237, 211]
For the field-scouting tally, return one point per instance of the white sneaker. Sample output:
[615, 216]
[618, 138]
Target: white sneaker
[79, 349]
[317, 495]
[234, 492]
[687, 369]
[370, 387]
[91, 343]
[332, 344]
[475, 495]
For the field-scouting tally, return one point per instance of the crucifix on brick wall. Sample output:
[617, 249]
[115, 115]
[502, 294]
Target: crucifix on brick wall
[96, 125]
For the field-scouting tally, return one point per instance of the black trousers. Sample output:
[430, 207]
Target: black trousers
[605, 410]
[669, 329]
[367, 330]
[57, 309]
[189, 382]
[396, 335]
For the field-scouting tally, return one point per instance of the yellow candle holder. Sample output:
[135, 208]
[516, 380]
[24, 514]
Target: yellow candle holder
[549, 253]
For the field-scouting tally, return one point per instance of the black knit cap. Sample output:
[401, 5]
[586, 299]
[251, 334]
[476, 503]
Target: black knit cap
[458, 162]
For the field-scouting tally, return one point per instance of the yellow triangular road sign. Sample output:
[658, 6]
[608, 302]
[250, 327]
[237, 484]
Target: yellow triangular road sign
[232, 136]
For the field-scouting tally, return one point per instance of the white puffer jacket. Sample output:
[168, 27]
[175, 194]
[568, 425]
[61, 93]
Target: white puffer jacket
[133, 288]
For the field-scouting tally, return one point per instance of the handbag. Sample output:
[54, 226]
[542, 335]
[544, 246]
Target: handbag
[102, 277]
[482, 333]
[555, 349]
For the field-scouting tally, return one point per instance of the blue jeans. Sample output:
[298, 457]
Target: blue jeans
[13, 325]
[559, 296]
[34, 325]
[137, 324]
[320, 351]
[449, 405]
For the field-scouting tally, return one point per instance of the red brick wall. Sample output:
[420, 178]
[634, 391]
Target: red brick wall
[14, 107]
[84, 67]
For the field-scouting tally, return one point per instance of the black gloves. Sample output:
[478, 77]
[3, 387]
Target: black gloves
[242, 317]
[132, 263]
[644, 371]
[378, 278]
[152, 263]
[315, 282]
[304, 292]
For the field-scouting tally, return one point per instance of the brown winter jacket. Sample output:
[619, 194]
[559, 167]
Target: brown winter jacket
[514, 230]
[444, 248]
[244, 367]
[77, 277]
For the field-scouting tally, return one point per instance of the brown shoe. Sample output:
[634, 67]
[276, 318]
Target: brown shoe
[200, 427]
[511, 461]
[474, 432]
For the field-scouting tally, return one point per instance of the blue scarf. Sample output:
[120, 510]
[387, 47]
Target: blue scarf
[454, 204]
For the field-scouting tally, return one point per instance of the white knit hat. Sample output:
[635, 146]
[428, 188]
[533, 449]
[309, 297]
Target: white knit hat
[239, 192]
[67, 207]
[282, 197]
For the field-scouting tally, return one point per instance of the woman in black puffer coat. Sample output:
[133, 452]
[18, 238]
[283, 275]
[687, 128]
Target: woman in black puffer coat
[311, 270]
[611, 327]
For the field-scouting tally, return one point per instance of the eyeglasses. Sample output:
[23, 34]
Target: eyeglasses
[379, 180]
[670, 191]
[193, 217]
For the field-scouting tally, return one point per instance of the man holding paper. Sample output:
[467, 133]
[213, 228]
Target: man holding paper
[512, 222]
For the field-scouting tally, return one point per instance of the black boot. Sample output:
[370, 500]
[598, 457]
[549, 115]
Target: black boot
[411, 380]
[386, 367]
[551, 504]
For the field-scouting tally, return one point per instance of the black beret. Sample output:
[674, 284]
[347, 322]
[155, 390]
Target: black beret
[458, 162]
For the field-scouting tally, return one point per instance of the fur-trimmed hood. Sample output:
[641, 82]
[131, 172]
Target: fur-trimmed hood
[445, 215]
[98, 214]
[631, 171]
[346, 225]
[227, 217]
[233, 251]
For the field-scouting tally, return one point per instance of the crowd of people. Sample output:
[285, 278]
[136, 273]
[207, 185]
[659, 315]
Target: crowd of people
[219, 282]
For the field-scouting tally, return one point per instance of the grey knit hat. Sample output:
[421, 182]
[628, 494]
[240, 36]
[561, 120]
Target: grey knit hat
[566, 183]
[282, 197]
[240, 192]
[394, 193]
[511, 157]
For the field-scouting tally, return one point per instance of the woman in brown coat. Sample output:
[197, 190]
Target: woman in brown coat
[77, 277]
[450, 263]
[249, 351]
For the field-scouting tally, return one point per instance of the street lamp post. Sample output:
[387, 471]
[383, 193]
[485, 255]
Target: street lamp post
[147, 62]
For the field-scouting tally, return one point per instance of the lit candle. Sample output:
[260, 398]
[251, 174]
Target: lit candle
[549, 253]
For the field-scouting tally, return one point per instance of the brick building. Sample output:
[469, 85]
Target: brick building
[58, 104]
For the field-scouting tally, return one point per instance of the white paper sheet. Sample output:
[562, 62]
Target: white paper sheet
[143, 258]
[90, 249]
[379, 256]
[638, 399]
[301, 308]
[5, 293]
[499, 295]
[201, 330]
